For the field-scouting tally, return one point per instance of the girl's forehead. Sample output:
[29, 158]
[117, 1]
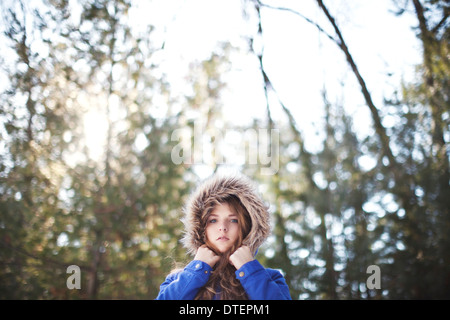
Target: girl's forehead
[223, 209]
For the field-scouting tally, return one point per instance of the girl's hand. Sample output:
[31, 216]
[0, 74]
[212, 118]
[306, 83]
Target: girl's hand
[206, 255]
[241, 256]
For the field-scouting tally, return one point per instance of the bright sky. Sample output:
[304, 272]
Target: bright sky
[299, 60]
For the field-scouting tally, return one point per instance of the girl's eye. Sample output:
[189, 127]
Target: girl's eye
[212, 221]
[234, 220]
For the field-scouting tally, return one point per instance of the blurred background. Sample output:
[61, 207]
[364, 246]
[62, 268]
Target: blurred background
[92, 91]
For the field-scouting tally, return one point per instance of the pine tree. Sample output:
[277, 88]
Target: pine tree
[34, 121]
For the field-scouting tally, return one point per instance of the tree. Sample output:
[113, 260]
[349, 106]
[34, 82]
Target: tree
[393, 214]
[34, 120]
[125, 219]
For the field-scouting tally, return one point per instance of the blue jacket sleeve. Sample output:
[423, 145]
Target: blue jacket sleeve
[184, 285]
[261, 283]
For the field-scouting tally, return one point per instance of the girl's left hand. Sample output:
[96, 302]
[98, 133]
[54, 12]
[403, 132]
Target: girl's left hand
[241, 256]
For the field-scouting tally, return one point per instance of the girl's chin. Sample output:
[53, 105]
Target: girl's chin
[220, 248]
[223, 250]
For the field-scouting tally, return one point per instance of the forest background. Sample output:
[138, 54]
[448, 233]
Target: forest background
[94, 111]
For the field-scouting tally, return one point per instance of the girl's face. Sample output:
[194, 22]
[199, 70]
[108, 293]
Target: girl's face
[222, 227]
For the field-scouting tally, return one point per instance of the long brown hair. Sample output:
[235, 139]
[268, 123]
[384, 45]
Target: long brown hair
[222, 281]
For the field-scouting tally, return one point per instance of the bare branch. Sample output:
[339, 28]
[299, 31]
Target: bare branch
[315, 24]
[380, 130]
[304, 154]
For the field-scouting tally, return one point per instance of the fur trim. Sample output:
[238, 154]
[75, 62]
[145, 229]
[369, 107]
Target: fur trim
[219, 187]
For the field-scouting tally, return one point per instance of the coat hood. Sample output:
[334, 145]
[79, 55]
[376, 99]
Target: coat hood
[219, 187]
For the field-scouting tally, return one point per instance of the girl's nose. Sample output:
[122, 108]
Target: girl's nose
[223, 227]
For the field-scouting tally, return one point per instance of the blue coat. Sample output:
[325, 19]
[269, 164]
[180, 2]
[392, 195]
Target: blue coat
[259, 283]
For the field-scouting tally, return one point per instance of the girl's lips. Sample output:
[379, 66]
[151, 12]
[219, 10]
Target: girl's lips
[222, 239]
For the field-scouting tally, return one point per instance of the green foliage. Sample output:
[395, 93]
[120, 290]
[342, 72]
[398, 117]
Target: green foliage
[348, 206]
[114, 217]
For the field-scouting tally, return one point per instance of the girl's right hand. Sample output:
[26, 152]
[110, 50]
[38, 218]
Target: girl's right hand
[206, 255]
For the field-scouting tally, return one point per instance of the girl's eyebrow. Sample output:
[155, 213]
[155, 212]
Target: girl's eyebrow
[216, 215]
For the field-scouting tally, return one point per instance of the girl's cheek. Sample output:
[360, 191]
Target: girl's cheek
[207, 233]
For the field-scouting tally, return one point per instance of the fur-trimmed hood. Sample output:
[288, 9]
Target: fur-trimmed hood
[219, 187]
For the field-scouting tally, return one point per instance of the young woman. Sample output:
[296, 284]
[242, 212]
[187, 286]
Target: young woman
[226, 221]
